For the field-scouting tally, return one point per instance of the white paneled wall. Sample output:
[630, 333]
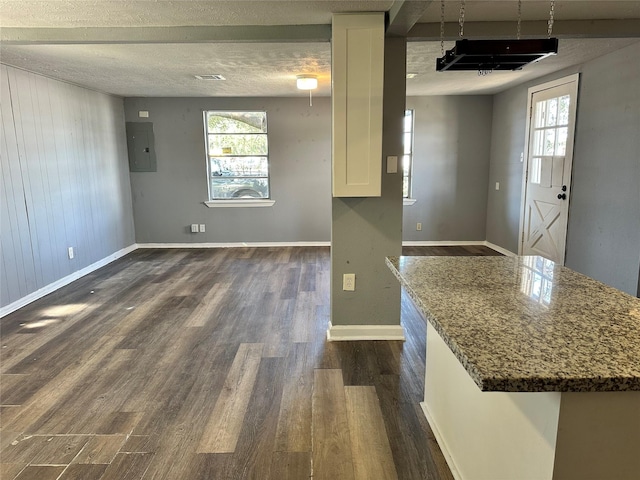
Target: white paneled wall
[65, 181]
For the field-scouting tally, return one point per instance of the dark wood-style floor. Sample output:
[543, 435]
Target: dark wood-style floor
[210, 364]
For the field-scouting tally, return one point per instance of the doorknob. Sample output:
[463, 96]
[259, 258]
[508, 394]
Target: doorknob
[562, 196]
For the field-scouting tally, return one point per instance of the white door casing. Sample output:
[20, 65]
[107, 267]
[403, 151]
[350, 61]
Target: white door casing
[547, 172]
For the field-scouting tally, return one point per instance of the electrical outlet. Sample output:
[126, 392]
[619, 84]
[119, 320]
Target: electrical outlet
[418, 226]
[194, 228]
[202, 228]
[70, 250]
[349, 282]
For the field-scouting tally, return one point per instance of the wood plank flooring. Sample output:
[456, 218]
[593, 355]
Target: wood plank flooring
[210, 364]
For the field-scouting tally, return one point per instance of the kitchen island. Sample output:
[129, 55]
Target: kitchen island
[532, 369]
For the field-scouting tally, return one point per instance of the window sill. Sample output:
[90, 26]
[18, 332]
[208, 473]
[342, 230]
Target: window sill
[239, 203]
[408, 201]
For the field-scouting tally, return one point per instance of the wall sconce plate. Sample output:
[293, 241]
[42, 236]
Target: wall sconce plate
[487, 55]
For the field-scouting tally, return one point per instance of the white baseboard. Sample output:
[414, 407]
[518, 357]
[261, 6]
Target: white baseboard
[441, 243]
[337, 333]
[499, 249]
[234, 245]
[52, 287]
[441, 443]
[342, 332]
[455, 243]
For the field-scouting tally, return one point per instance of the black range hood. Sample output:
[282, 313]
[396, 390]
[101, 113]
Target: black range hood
[487, 55]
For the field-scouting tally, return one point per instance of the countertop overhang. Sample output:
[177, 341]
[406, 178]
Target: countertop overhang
[525, 324]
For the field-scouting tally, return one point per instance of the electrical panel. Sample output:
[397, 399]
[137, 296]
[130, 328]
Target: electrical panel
[140, 143]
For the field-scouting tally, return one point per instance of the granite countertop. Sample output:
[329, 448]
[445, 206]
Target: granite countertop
[524, 324]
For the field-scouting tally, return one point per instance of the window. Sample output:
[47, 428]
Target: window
[407, 157]
[238, 155]
[550, 134]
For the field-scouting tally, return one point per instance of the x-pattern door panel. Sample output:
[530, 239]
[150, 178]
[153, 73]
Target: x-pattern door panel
[544, 220]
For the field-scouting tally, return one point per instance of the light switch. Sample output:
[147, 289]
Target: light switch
[392, 164]
[143, 114]
[497, 185]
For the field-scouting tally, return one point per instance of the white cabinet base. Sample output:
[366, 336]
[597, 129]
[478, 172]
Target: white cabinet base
[528, 435]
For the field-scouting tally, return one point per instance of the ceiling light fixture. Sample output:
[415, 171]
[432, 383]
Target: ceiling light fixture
[485, 56]
[488, 55]
[307, 82]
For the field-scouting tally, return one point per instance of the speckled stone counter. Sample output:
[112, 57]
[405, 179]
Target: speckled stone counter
[524, 324]
[556, 357]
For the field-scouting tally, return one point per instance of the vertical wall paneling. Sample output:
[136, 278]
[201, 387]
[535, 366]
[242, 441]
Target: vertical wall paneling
[17, 260]
[65, 181]
[21, 107]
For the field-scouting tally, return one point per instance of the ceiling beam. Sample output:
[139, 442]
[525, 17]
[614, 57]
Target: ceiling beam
[402, 18]
[404, 14]
[629, 28]
[191, 34]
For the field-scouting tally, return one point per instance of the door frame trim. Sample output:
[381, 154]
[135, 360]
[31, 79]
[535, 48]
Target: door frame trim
[574, 78]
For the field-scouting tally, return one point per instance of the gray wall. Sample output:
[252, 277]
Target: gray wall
[367, 230]
[507, 144]
[451, 162]
[452, 142]
[65, 181]
[166, 202]
[603, 238]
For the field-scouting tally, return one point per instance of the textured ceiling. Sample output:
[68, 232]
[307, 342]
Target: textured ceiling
[265, 69]
[141, 13]
[507, 10]
[268, 69]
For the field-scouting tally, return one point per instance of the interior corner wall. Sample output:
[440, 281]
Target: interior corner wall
[505, 167]
[166, 202]
[603, 237]
[451, 152]
[65, 181]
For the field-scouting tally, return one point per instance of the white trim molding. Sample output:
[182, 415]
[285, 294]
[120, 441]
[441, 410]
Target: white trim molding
[52, 287]
[235, 244]
[444, 447]
[337, 333]
[240, 203]
[499, 249]
[456, 243]
[440, 243]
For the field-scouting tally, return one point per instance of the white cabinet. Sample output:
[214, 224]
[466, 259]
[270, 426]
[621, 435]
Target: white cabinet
[357, 71]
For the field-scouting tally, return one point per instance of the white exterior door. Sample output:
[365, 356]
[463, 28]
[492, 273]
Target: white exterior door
[547, 182]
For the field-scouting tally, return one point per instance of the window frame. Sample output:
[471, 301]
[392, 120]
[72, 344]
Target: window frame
[236, 201]
[408, 199]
